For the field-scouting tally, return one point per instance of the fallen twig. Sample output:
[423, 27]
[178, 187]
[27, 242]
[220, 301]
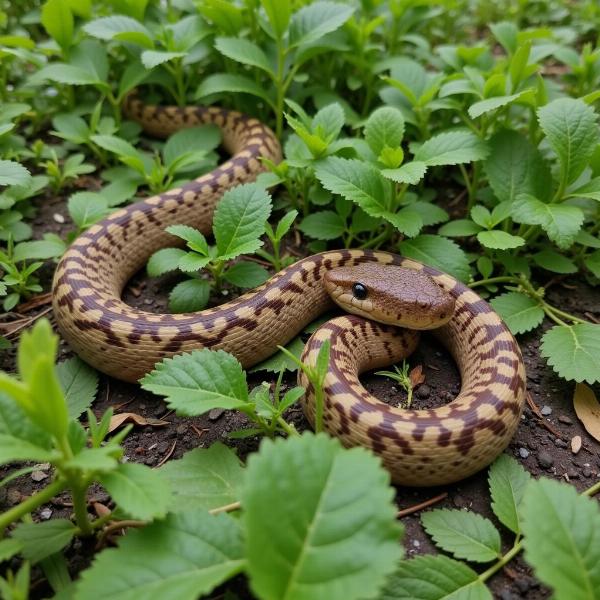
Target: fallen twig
[167, 456]
[540, 416]
[417, 507]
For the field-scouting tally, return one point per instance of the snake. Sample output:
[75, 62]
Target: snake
[386, 298]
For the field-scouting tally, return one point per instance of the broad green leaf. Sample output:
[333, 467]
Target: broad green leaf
[153, 58]
[194, 238]
[328, 121]
[117, 145]
[515, 167]
[86, 208]
[189, 296]
[230, 82]
[521, 313]
[13, 173]
[589, 190]
[506, 33]
[592, 262]
[8, 548]
[164, 260]
[204, 479]
[431, 214]
[279, 13]
[239, 220]
[384, 127]
[57, 20]
[499, 240]
[562, 539]
[434, 578]
[244, 51]
[67, 74]
[323, 225]
[246, 274]
[465, 534]
[437, 252]
[14, 449]
[574, 351]
[555, 262]
[571, 128]
[192, 262]
[410, 173]
[459, 228]
[199, 381]
[79, 383]
[184, 556]
[118, 27]
[51, 247]
[561, 222]
[489, 104]
[40, 540]
[508, 481]
[357, 181]
[14, 422]
[452, 148]
[315, 20]
[138, 490]
[345, 535]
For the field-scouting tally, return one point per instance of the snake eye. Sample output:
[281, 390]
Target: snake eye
[359, 291]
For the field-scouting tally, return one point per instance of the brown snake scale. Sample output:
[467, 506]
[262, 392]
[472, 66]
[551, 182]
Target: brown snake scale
[419, 447]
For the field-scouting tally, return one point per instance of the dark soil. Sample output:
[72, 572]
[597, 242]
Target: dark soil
[535, 446]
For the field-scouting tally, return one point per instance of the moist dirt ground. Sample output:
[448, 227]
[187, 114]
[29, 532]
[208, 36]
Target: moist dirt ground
[542, 443]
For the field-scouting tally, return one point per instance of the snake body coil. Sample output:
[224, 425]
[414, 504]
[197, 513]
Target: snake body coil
[419, 447]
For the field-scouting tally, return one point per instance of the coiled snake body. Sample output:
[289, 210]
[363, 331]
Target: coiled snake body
[419, 447]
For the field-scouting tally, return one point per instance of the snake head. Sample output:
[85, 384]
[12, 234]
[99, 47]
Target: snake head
[390, 294]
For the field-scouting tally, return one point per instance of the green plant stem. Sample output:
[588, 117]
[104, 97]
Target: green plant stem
[80, 509]
[505, 559]
[492, 280]
[279, 84]
[287, 427]
[592, 491]
[29, 505]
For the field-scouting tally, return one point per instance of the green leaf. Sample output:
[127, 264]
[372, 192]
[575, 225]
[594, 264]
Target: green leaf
[79, 383]
[40, 540]
[118, 146]
[589, 190]
[437, 252]
[410, 173]
[279, 13]
[521, 313]
[508, 481]
[434, 578]
[312, 22]
[328, 122]
[194, 238]
[592, 262]
[203, 479]
[153, 58]
[239, 220]
[465, 534]
[515, 167]
[86, 208]
[189, 296]
[14, 449]
[489, 104]
[191, 139]
[122, 28]
[51, 247]
[197, 382]
[384, 127]
[279, 360]
[67, 74]
[570, 126]
[323, 225]
[8, 548]
[138, 490]
[244, 51]
[230, 82]
[164, 260]
[184, 556]
[574, 351]
[459, 228]
[562, 539]
[57, 20]
[499, 240]
[561, 222]
[13, 173]
[345, 539]
[555, 262]
[246, 274]
[430, 213]
[452, 148]
[192, 262]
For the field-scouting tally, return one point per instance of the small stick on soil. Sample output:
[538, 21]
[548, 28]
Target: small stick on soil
[35, 302]
[117, 526]
[167, 456]
[540, 417]
[592, 317]
[417, 507]
[199, 432]
[25, 322]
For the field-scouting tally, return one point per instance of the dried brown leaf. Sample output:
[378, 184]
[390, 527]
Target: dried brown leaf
[587, 409]
[122, 418]
[416, 376]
